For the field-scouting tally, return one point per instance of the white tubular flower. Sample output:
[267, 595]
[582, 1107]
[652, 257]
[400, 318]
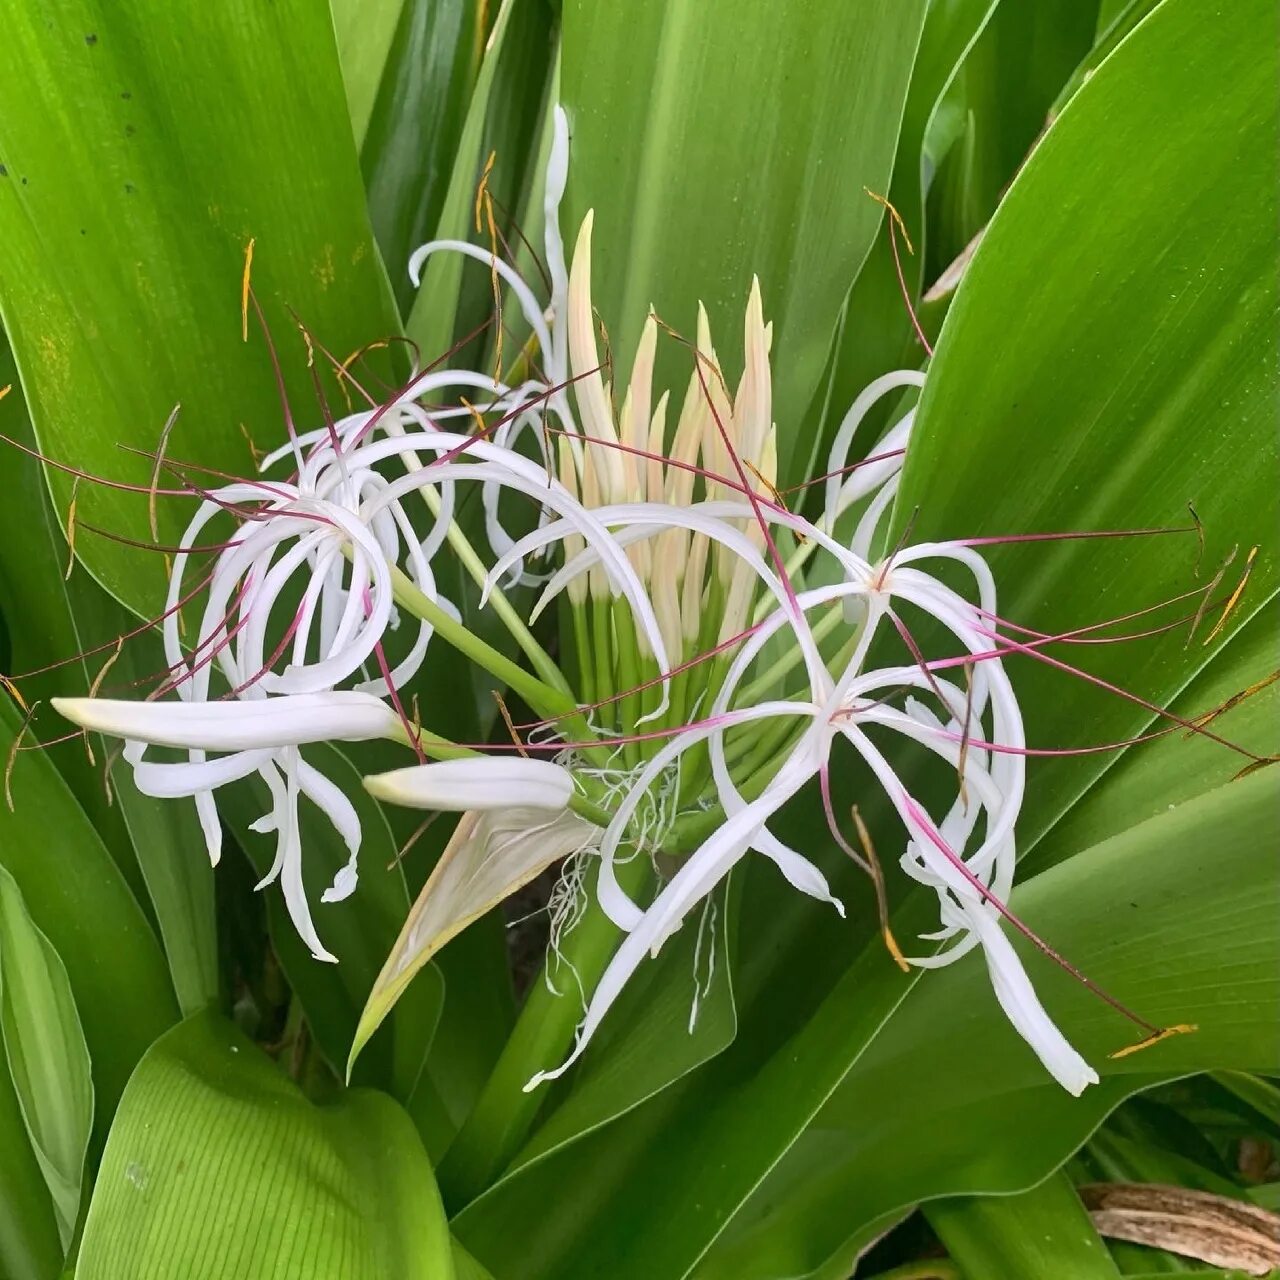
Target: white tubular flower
[478, 783]
[262, 737]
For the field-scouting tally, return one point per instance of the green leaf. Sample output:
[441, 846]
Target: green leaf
[1148, 780]
[719, 140]
[654, 1038]
[145, 146]
[78, 900]
[218, 1166]
[156, 844]
[359, 930]
[877, 334]
[416, 122]
[941, 1100]
[431, 320]
[1044, 1231]
[1135, 380]
[30, 1248]
[1003, 96]
[46, 1052]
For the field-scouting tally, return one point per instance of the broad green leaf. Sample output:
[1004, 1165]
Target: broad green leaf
[1136, 379]
[1044, 1231]
[79, 901]
[941, 1100]
[1149, 779]
[359, 930]
[48, 1060]
[415, 124]
[144, 147]
[488, 858]
[30, 1248]
[218, 1166]
[717, 141]
[157, 845]
[876, 334]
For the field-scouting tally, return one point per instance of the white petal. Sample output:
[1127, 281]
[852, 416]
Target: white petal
[237, 725]
[478, 782]
[1019, 1001]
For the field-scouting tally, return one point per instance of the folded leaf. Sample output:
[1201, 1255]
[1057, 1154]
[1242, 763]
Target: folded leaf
[48, 1059]
[488, 858]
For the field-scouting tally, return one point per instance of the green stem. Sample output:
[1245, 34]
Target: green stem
[554, 703]
[498, 1125]
[471, 562]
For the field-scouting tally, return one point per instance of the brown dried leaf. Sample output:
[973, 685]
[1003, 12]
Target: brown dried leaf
[1193, 1224]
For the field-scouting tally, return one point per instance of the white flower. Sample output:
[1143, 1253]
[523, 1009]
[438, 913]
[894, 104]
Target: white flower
[989, 785]
[261, 736]
[480, 783]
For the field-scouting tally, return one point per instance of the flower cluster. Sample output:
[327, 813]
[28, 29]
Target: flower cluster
[725, 645]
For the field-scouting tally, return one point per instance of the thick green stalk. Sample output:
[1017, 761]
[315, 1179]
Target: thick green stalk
[471, 562]
[542, 697]
[502, 1118]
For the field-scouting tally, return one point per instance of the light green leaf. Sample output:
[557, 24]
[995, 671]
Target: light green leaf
[218, 1166]
[1041, 1232]
[29, 1245]
[77, 898]
[47, 1056]
[365, 31]
[145, 146]
[719, 140]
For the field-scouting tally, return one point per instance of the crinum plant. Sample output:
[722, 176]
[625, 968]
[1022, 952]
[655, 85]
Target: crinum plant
[725, 709]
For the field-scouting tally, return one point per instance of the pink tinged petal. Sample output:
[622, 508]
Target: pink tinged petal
[476, 783]
[753, 407]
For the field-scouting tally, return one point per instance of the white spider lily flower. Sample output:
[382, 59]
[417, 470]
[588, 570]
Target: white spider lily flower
[479, 783]
[260, 736]
[990, 782]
